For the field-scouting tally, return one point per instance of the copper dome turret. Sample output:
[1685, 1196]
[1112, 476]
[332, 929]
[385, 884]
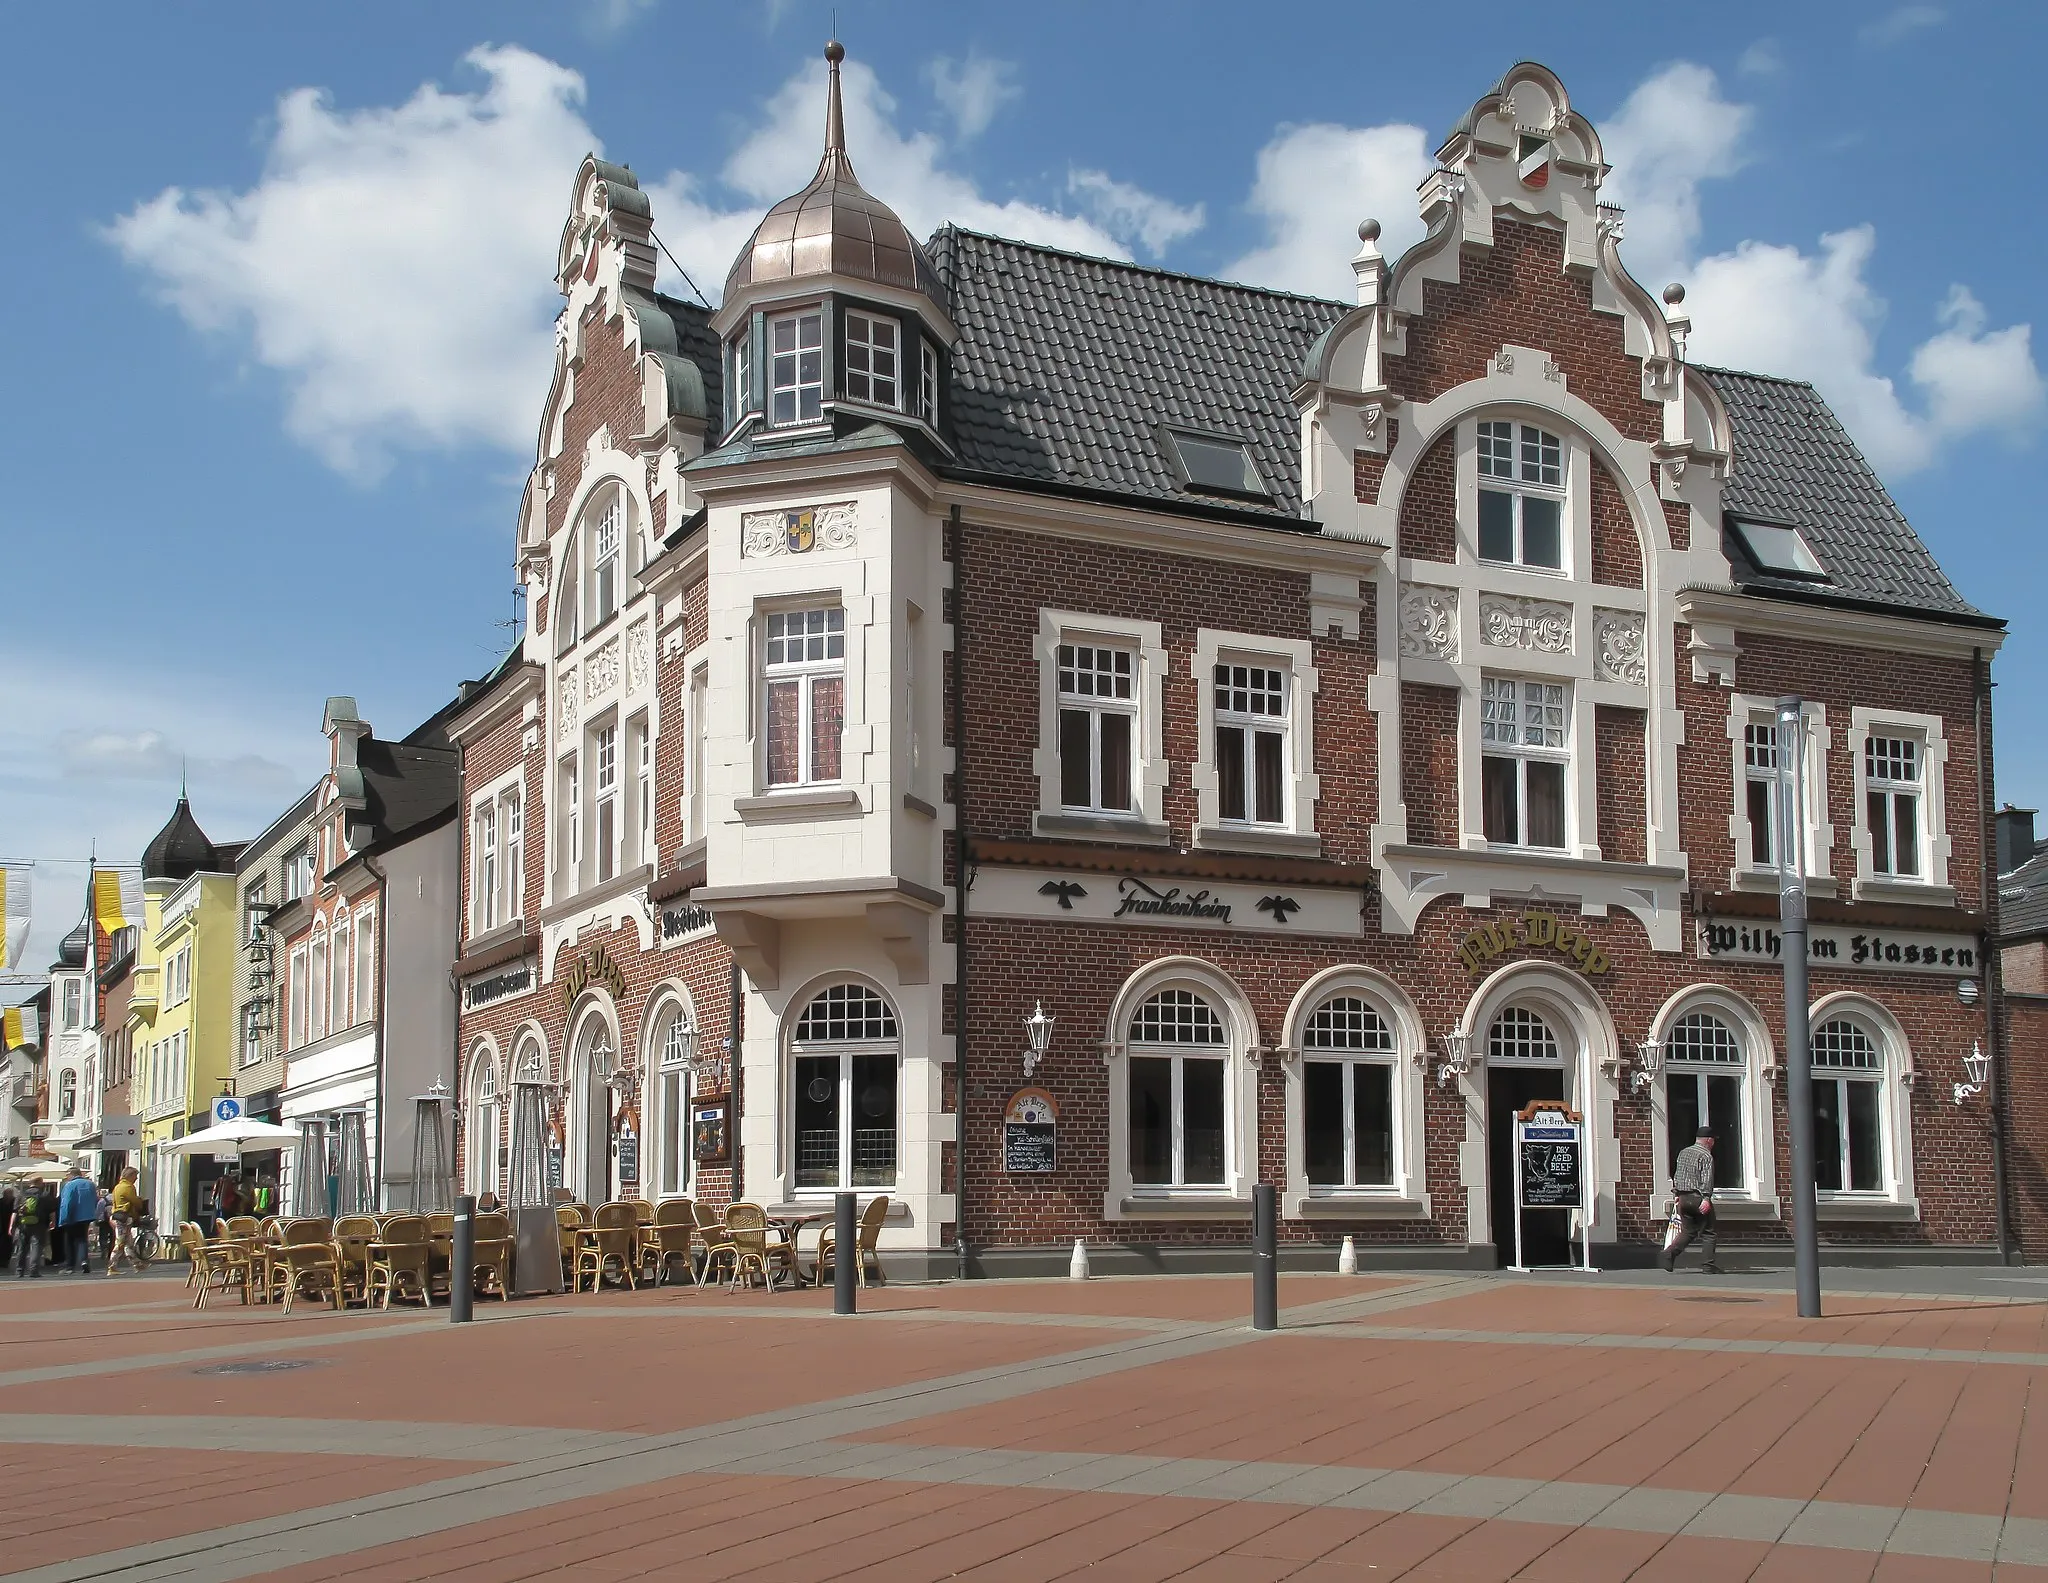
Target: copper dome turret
[180, 849]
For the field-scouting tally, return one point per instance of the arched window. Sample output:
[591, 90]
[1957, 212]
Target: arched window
[607, 556]
[594, 1060]
[846, 1051]
[565, 610]
[1347, 1071]
[674, 1044]
[485, 1124]
[1178, 1070]
[1703, 1072]
[1519, 1034]
[528, 1064]
[67, 1095]
[1848, 1109]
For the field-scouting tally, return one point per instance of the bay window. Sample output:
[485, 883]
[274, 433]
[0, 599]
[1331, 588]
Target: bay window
[1524, 742]
[796, 367]
[1178, 1068]
[1521, 496]
[1098, 718]
[1348, 1095]
[804, 686]
[1251, 744]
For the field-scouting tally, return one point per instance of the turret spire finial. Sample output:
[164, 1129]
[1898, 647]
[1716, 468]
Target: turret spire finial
[835, 119]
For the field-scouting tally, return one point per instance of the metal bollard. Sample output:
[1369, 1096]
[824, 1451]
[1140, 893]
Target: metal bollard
[462, 1263]
[1265, 1260]
[845, 1254]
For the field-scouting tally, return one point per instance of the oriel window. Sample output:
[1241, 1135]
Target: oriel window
[804, 677]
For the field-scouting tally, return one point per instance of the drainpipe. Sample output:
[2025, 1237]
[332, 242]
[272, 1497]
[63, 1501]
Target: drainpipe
[732, 1086]
[959, 892]
[383, 1015]
[1994, 984]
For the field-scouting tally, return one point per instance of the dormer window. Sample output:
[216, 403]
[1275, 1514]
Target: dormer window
[739, 394]
[1521, 496]
[1213, 464]
[796, 367]
[1780, 551]
[928, 383]
[873, 365]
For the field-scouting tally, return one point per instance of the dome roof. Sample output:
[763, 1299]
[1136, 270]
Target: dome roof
[180, 849]
[834, 226]
[72, 949]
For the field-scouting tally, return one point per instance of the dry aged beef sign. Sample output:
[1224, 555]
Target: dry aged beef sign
[1840, 945]
[1031, 1126]
[1533, 931]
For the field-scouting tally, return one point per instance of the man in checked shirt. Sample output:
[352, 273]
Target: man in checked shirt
[1692, 1191]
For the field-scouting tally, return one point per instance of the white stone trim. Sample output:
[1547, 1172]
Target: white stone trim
[1759, 1118]
[1150, 776]
[1933, 887]
[1411, 1176]
[1897, 1108]
[1297, 657]
[1745, 709]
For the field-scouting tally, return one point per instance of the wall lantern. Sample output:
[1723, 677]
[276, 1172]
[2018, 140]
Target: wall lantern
[1649, 1057]
[1038, 1027]
[1977, 1068]
[1458, 1058]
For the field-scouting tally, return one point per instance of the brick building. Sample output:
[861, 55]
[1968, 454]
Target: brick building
[1346, 719]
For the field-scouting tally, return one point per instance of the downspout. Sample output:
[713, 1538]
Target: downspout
[732, 1119]
[1994, 982]
[383, 1015]
[960, 1088]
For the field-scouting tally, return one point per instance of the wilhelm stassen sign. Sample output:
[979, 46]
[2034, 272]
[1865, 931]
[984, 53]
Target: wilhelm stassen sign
[1842, 945]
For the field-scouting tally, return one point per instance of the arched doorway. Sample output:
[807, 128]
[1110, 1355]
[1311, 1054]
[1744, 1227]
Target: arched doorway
[593, 1061]
[1527, 1059]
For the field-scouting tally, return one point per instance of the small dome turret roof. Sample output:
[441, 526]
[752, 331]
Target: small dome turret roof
[180, 849]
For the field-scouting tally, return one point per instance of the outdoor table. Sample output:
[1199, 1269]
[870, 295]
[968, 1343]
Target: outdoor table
[790, 1225]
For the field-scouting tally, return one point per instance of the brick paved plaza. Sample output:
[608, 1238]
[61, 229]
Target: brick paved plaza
[1399, 1426]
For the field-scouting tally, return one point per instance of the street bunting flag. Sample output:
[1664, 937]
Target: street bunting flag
[117, 898]
[22, 1027]
[14, 907]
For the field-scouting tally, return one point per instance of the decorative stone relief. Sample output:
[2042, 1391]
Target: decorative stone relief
[1620, 636]
[1503, 361]
[565, 705]
[769, 533]
[1429, 622]
[1533, 624]
[638, 653]
[601, 670]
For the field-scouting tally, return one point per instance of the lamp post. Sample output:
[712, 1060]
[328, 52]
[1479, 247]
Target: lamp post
[1038, 1028]
[1791, 793]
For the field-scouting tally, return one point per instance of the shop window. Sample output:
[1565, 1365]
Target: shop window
[1703, 1075]
[804, 685]
[1177, 1074]
[845, 1058]
[1348, 1095]
[1521, 496]
[485, 1120]
[1524, 735]
[1848, 1109]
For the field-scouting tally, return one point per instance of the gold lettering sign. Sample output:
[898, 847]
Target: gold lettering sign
[1532, 931]
[596, 968]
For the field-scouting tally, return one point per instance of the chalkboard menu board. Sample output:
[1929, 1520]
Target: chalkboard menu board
[1550, 1166]
[629, 1157]
[1031, 1126]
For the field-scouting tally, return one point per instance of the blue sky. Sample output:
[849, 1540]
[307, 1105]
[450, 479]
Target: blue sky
[279, 327]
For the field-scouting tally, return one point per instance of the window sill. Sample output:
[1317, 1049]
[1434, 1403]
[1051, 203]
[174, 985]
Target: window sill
[1331, 1205]
[594, 894]
[1913, 892]
[1869, 1209]
[1102, 827]
[1179, 1206]
[820, 802]
[1764, 882]
[1243, 838]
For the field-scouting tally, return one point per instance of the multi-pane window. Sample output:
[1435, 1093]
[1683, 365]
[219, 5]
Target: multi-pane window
[252, 1033]
[1703, 1068]
[804, 666]
[845, 1107]
[366, 966]
[1348, 1095]
[1521, 495]
[605, 799]
[606, 539]
[253, 900]
[673, 1080]
[1098, 726]
[74, 1003]
[1178, 1065]
[316, 999]
[1848, 1111]
[301, 1018]
[1524, 751]
[512, 815]
[338, 998]
[485, 884]
[796, 367]
[873, 368]
[1892, 769]
[1760, 785]
[739, 394]
[1519, 1034]
[927, 382]
[67, 1095]
[298, 873]
[1251, 744]
[643, 790]
[484, 1110]
[570, 803]
[694, 747]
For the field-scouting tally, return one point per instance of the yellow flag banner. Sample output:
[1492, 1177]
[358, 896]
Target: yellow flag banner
[14, 909]
[117, 899]
[22, 1027]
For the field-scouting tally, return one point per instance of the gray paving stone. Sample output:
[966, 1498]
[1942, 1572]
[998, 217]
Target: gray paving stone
[1957, 1536]
[1744, 1517]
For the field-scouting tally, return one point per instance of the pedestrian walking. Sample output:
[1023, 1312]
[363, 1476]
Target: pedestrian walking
[1692, 1196]
[78, 1206]
[31, 1212]
[6, 1227]
[103, 1222]
[122, 1209]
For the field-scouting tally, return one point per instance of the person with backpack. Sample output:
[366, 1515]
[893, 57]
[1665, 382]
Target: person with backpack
[78, 1206]
[31, 1213]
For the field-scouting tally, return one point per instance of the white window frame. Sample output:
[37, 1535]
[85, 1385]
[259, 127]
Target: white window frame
[798, 386]
[1895, 1199]
[1934, 885]
[1755, 1195]
[569, 822]
[316, 985]
[805, 674]
[868, 341]
[512, 821]
[696, 750]
[341, 969]
[1407, 1197]
[252, 1034]
[1295, 659]
[1745, 710]
[73, 1004]
[485, 1098]
[846, 1051]
[298, 992]
[640, 748]
[928, 382]
[364, 975]
[1521, 488]
[607, 801]
[1525, 753]
[673, 1171]
[739, 389]
[607, 517]
[1146, 821]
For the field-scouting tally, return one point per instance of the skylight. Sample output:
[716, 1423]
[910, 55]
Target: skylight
[1211, 464]
[1779, 551]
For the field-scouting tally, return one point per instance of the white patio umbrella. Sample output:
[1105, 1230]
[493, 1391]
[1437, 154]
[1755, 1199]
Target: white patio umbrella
[235, 1137]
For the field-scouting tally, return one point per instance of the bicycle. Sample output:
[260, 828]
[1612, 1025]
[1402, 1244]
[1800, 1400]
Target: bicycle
[149, 1246]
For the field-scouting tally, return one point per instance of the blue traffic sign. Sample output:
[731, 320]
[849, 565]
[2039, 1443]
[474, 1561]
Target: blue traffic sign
[226, 1108]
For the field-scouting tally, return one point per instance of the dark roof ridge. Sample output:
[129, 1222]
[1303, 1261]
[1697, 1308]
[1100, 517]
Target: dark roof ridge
[1134, 267]
[1749, 373]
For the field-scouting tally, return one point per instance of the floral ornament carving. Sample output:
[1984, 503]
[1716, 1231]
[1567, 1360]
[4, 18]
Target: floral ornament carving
[1429, 622]
[1531, 624]
[638, 654]
[601, 670]
[765, 534]
[1623, 657]
[565, 705]
[1503, 361]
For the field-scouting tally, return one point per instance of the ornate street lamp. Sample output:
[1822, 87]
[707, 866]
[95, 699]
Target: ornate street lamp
[1649, 1057]
[1038, 1028]
[1977, 1068]
[1458, 1058]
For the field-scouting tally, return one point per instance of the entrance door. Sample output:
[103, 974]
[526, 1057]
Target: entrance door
[1546, 1233]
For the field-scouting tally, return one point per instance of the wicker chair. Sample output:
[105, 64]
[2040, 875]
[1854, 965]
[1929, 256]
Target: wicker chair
[617, 1231]
[866, 1242]
[717, 1241]
[353, 1235]
[673, 1233]
[645, 1252]
[568, 1221]
[307, 1262]
[400, 1259]
[492, 1271]
[213, 1262]
[441, 1252]
[240, 1226]
[754, 1247]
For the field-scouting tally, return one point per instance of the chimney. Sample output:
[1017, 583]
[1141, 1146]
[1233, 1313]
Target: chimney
[2015, 837]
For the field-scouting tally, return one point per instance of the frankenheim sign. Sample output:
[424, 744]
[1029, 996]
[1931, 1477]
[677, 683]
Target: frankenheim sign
[1844, 945]
[1075, 897]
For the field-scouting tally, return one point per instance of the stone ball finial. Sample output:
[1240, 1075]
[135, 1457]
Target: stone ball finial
[1369, 232]
[835, 52]
[1674, 294]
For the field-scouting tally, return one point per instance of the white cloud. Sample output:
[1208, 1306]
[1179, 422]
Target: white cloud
[1674, 132]
[393, 265]
[1978, 380]
[1314, 185]
[973, 91]
[1762, 59]
[1902, 22]
[1129, 211]
[609, 18]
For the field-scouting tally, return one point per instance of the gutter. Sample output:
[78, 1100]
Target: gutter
[1278, 521]
[383, 1015]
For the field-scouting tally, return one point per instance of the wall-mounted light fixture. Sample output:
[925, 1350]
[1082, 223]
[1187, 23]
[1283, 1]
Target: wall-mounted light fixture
[1038, 1028]
[1457, 1062]
[1649, 1057]
[1977, 1068]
